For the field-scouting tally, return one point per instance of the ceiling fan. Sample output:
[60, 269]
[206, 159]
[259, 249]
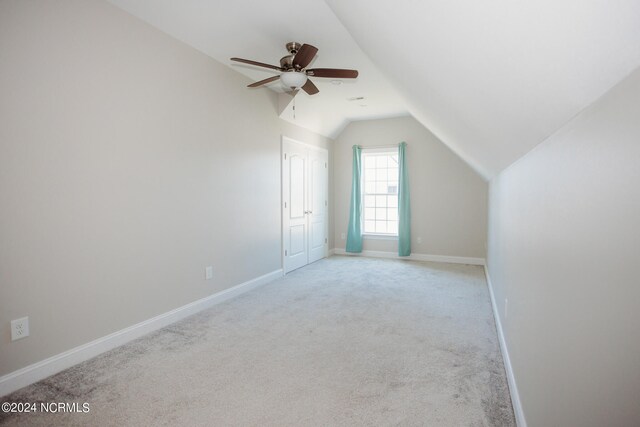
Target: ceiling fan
[294, 74]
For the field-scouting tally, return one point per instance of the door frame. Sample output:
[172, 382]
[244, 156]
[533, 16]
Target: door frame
[282, 198]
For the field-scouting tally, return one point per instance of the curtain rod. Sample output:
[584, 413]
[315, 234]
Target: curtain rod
[382, 146]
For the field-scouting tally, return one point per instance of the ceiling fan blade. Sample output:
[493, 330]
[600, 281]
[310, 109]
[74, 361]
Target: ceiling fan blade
[335, 73]
[264, 82]
[310, 88]
[259, 64]
[304, 56]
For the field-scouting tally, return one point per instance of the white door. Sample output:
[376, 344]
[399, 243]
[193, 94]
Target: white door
[304, 210]
[294, 180]
[317, 211]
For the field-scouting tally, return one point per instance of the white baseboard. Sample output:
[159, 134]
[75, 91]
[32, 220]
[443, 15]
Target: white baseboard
[511, 379]
[45, 368]
[331, 252]
[414, 257]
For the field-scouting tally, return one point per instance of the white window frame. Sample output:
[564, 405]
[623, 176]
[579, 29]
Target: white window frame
[368, 235]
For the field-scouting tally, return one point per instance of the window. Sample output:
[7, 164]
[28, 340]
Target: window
[380, 184]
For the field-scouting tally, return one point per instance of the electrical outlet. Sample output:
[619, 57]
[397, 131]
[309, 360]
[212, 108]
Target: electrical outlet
[19, 328]
[419, 239]
[506, 307]
[343, 236]
[208, 273]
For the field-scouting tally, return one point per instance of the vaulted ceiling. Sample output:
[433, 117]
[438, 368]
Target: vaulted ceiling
[492, 79]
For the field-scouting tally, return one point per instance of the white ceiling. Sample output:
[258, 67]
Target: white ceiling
[259, 30]
[492, 79]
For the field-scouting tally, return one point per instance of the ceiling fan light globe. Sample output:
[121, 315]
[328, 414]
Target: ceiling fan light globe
[293, 79]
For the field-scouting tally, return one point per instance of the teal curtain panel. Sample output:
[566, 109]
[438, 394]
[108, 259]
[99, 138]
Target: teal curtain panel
[404, 204]
[354, 233]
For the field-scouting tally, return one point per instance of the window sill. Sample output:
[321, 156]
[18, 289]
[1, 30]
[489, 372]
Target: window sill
[379, 237]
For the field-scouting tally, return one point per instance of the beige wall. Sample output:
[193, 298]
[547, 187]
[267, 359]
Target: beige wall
[448, 199]
[126, 167]
[564, 239]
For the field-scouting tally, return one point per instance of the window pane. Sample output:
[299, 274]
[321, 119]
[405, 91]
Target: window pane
[392, 188]
[392, 227]
[381, 174]
[369, 213]
[381, 201]
[392, 201]
[369, 226]
[381, 187]
[392, 213]
[381, 226]
[369, 162]
[393, 160]
[381, 161]
[381, 213]
[369, 187]
[370, 201]
[393, 174]
[370, 174]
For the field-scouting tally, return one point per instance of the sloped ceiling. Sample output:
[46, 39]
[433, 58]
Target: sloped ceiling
[492, 79]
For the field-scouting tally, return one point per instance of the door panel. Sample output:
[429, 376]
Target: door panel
[317, 236]
[297, 237]
[296, 186]
[317, 190]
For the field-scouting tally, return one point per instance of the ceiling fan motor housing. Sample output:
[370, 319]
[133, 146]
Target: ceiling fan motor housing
[286, 62]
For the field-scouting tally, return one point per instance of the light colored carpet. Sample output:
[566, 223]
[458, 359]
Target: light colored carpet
[344, 341]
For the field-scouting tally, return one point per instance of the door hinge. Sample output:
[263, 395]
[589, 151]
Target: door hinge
[285, 205]
[325, 165]
[325, 240]
[325, 203]
[285, 252]
[285, 156]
